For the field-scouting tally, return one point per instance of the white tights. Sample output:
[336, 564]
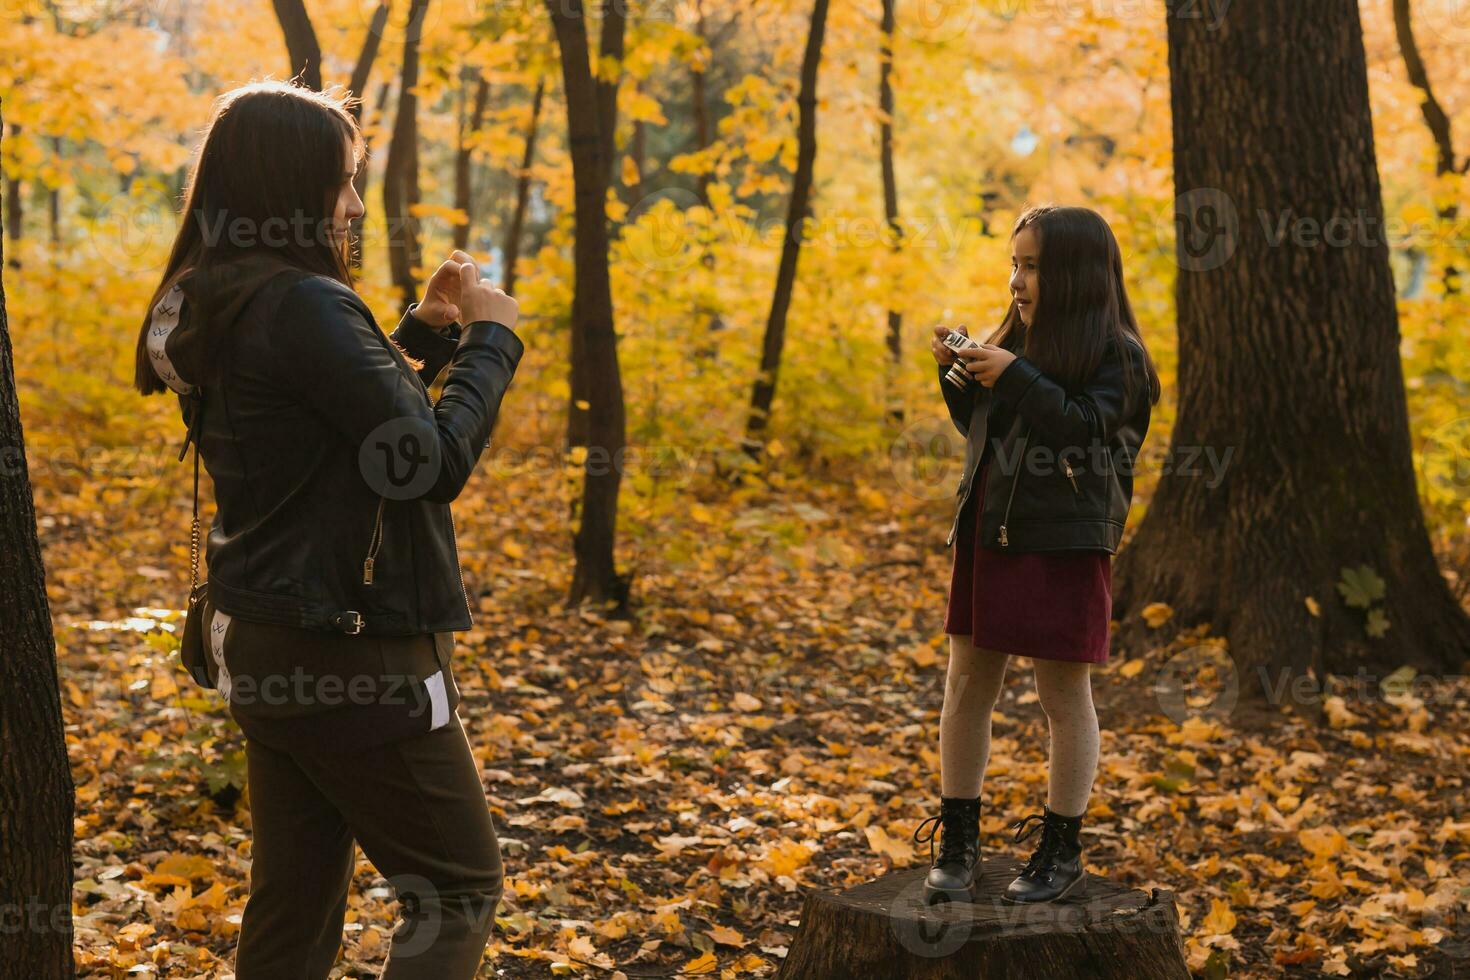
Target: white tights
[970, 691]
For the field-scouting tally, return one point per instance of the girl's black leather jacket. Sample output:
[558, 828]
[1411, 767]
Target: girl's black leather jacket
[333, 472]
[1060, 474]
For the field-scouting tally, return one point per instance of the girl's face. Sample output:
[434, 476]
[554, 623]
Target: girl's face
[349, 205]
[1025, 257]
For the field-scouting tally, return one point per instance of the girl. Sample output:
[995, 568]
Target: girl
[1060, 404]
[334, 587]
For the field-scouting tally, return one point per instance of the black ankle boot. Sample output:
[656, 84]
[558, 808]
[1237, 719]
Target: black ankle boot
[1055, 869]
[952, 873]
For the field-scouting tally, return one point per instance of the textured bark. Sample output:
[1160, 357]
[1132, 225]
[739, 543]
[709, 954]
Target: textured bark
[605, 103]
[763, 393]
[890, 204]
[1289, 359]
[36, 792]
[610, 45]
[595, 373]
[882, 929]
[301, 42]
[523, 191]
[14, 210]
[463, 160]
[401, 171]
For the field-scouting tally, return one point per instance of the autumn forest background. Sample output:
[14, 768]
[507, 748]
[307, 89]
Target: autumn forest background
[707, 680]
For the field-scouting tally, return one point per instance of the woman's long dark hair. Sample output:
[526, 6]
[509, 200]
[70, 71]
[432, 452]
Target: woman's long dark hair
[1081, 301]
[265, 183]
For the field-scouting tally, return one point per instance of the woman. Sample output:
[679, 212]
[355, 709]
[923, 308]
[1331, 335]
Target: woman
[1054, 409]
[334, 585]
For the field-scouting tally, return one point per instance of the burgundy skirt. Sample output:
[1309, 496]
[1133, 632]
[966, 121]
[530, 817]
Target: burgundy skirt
[1046, 605]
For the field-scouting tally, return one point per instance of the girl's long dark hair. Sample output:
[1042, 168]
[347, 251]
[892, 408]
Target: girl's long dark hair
[265, 183]
[1081, 301]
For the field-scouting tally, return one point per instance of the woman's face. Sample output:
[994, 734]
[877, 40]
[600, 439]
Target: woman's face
[349, 205]
[1025, 287]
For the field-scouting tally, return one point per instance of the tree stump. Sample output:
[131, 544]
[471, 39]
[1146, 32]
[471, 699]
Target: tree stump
[882, 930]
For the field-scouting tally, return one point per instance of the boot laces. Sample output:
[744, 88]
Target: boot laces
[1048, 849]
[949, 825]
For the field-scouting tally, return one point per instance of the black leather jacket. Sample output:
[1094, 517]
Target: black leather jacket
[1060, 474]
[332, 470]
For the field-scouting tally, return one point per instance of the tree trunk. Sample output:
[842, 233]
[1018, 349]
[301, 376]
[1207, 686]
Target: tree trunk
[706, 344]
[595, 373]
[366, 57]
[36, 793]
[523, 191]
[464, 158]
[14, 210]
[764, 390]
[610, 45]
[882, 928]
[401, 171]
[1288, 363]
[890, 206]
[301, 42]
[605, 102]
[1434, 118]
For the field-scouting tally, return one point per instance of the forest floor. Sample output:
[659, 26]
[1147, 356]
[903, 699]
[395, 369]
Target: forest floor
[667, 789]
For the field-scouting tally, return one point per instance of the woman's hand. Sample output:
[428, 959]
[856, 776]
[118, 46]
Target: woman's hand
[479, 300]
[987, 362]
[441, 303]
[944, 355]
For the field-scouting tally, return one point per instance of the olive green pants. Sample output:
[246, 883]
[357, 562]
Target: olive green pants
[418, 809]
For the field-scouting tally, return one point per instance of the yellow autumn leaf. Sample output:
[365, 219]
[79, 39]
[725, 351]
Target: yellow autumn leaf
[1322, 842]
[1220, 921]
[725, 936]
[704, 964]
[1131, 668]
[784, 857]
[1156, 614]
[897, 851]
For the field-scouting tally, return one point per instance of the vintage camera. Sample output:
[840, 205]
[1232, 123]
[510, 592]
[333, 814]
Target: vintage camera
[957, 375]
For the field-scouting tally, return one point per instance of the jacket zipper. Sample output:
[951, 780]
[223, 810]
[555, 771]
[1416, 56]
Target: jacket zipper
[1071, 476]
[454, 540]
[1004, 540]
[377, 541]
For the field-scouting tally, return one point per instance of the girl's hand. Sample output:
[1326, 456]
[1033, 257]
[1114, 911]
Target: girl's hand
[482, 300]
[944, 355]
[440, 305]
[987, 363]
